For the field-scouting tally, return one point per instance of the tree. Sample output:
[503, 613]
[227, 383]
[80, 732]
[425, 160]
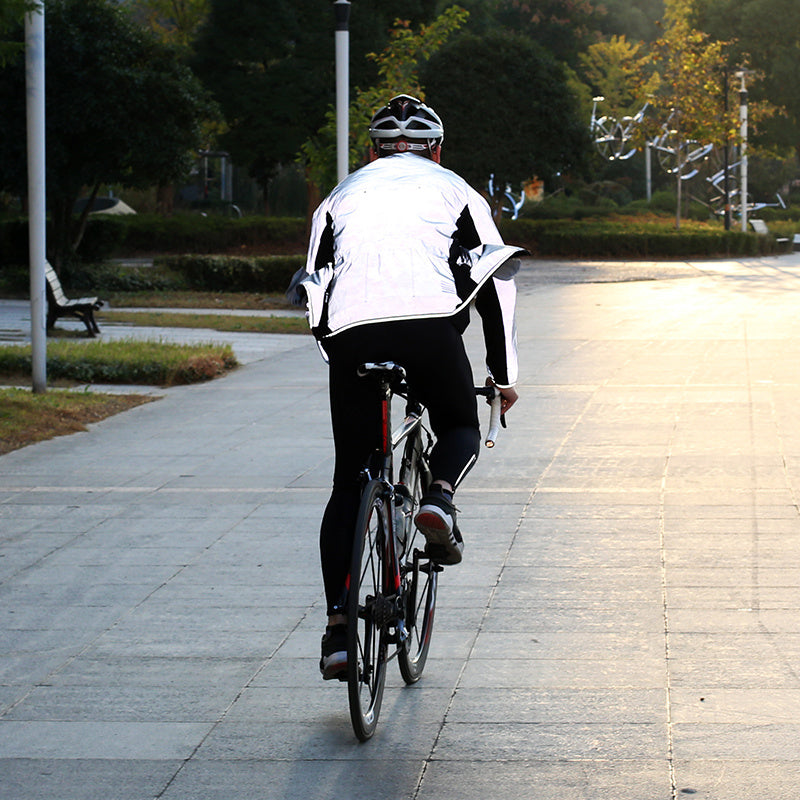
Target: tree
[121, 109]
[398, 66]
[611, 68]
[270, 65]
[174, 21]
[636, 20]
[12, 12]
[523, 122]
[765, 34]
[683, 73]
[563, 27]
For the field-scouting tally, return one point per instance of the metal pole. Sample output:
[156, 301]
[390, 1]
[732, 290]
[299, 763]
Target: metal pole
[34, 80]
[743, 119]
[648, 171]
[726, 158]
[341, 11]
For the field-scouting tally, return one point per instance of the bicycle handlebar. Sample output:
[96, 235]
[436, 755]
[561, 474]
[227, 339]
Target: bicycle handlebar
[491, 393]
[496, 419]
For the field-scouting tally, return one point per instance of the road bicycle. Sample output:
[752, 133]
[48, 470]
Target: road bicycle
[511, 204]
[392, 582]
[612, 137]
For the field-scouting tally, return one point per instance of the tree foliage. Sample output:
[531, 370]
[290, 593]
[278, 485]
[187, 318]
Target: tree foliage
[270, 65]
[765, 35]
[523, 122]
[12, 12]
[564, 27]
[611, 68]
[683, 73]
[174, 21]
[398, 65]
[120, 109]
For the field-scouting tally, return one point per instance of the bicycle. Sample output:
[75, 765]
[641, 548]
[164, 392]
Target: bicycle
[511, 205]
[392, 584]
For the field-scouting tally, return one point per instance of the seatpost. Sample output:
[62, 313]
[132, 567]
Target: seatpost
[386, 427]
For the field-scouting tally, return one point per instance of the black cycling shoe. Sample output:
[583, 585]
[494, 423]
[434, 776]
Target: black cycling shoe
[436, 520]
[333, 663]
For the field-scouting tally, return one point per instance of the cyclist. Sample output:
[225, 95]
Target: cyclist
[398, 252]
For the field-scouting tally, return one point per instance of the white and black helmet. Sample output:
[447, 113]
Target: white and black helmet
[405, 123]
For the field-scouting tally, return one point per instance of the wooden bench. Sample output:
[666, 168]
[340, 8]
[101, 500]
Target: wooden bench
[760, 227]
[58, 305]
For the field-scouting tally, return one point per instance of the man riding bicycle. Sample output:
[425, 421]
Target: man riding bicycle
[398, 252]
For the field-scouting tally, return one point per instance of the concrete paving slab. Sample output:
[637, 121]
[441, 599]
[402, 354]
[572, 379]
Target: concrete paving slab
[626, 621]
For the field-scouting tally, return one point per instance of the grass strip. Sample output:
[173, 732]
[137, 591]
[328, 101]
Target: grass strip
[125, 361]
[26, 418]
[216, 322]
[259, 301]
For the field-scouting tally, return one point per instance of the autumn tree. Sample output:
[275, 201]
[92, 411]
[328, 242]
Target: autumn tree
[682, 75]
[766, 35]
[611, 68]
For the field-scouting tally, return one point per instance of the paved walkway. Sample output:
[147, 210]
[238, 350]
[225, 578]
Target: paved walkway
[626, 622]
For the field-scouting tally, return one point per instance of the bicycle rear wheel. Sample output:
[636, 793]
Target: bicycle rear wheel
[418, 573]
[367, 613]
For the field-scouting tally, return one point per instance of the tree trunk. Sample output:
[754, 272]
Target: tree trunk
[165, 199]
[58, 243]
[314, 196]
[81, 226]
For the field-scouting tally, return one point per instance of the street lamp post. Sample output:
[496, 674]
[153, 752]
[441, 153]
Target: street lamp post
[34, 79]
[341, 11]
[743, 121]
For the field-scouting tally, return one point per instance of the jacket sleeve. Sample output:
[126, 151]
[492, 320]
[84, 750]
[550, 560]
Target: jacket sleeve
[495, 303]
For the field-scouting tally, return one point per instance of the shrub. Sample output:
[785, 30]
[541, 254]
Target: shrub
[194, 233]
[100, 279]
[235, 273]
[630, 238]
[134, 362]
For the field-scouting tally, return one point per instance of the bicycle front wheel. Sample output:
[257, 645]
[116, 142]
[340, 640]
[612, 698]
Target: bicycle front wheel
[419, 573]
[368, 612]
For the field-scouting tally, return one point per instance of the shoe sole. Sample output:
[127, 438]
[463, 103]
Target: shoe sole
[335, 667]
[438, 534]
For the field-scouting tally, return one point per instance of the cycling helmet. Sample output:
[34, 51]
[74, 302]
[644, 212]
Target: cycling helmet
[405, 123]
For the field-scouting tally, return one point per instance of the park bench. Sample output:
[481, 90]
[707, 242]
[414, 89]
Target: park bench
[58, 305]
[760, 227]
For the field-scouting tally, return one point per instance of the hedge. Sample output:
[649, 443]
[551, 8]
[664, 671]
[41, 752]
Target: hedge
[234, 273]
[109, 236]
[142, 362]
[566, 239]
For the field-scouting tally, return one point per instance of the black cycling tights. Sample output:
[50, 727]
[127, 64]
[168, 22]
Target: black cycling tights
[432, 352]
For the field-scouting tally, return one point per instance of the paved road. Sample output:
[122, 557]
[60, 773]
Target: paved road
[626, 622]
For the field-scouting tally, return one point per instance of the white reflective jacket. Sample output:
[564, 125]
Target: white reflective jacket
[405, 238]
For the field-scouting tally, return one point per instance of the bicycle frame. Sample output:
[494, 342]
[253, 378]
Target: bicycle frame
[392, 585]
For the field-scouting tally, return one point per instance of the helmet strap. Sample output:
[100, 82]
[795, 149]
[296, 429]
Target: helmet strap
[431, 148]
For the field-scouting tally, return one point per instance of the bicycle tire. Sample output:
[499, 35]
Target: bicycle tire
[367, 636]
[419, 575]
